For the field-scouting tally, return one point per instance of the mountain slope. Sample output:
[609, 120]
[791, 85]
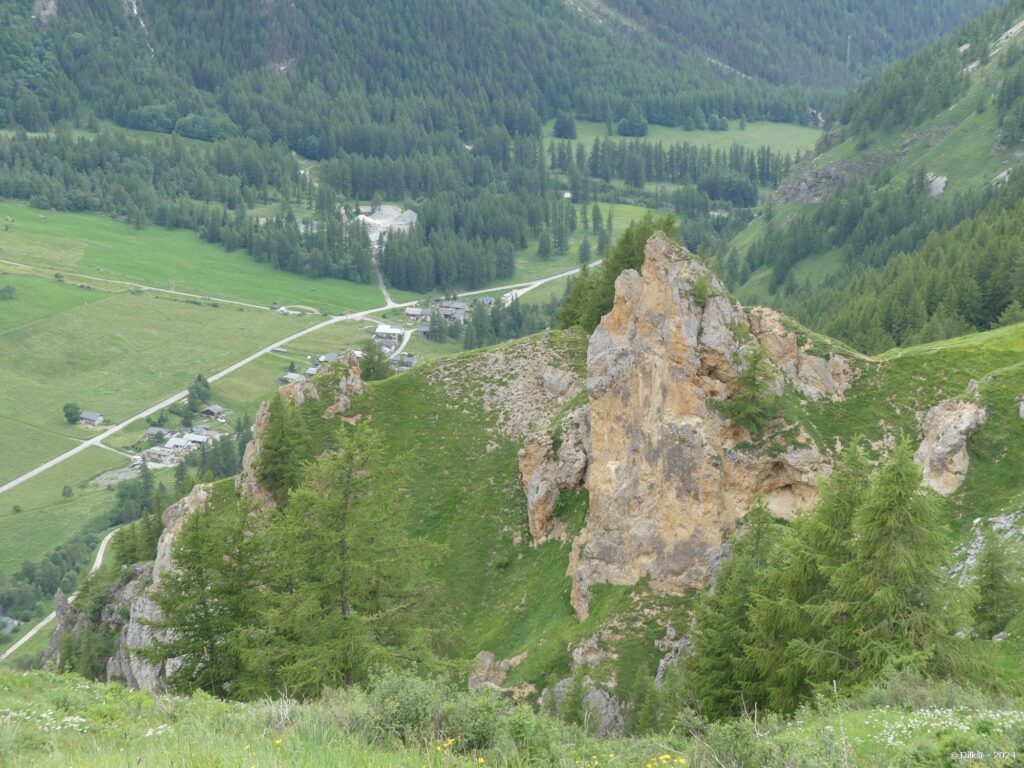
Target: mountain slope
[931, 143]
[509, 582]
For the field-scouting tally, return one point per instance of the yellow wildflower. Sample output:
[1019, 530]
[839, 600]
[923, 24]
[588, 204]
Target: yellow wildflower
[278, 741]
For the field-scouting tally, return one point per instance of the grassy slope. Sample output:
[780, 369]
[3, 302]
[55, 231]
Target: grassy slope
[456, 482]
[60, 720]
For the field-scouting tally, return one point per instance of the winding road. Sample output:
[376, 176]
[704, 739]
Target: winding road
[53, 614]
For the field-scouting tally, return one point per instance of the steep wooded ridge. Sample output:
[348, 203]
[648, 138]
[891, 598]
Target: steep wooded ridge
[917, 175]
[303, 71]
[580, 490]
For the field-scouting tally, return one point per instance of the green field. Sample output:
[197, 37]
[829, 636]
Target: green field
[782, 137]
[170, 259]
[47, 519]
[115, 355]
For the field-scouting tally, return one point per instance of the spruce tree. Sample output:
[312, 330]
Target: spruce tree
[998, 578]
[900, 610]
[718, 673]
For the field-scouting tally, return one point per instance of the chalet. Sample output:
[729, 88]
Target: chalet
[330, 357]
[156, 434]
[214, 411]
[292, 378]
[405, 361]
[509, 296]
[388, 333]
[454, 311]
[90, 418]
[311, 371]
[486, 301]
[195, 439]
[423, 331]
[178, 444]
[417, 313]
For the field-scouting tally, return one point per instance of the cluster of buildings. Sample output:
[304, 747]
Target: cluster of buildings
[169, 447]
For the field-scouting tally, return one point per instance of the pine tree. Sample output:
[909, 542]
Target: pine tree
[998, 579]
[793, 614]
[900, 609]
[717, 672]
[284, 448]
[347, 590]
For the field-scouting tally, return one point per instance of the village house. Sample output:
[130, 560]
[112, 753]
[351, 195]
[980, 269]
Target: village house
[454, 311]
[423, 331]
[330, 357]
[160, 455]
[155, 434]
[214, 411]
[388, 335]
[311, 371]
[405, 361]
[292, 378]
[509, 296]
[417, 313]
[90, 418]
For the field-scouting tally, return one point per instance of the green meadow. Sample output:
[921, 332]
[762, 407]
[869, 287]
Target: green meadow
[44, 517]
[117, 355]
[173, 259]
[782, 137]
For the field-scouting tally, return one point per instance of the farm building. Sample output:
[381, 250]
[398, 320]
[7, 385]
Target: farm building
[291, 377]
[311, 371]
[455, 311]
[330, 357]
[423, 331]
[388, 333]
[154, 434]
[417, 313]
[90, 418]
[214, 411]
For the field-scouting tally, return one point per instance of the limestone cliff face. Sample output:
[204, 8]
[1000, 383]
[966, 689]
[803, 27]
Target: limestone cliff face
[812, 376]
[666, 474]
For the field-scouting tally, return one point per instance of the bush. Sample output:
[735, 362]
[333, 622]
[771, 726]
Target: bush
[528, 736]
[473, 719]
[406, 707]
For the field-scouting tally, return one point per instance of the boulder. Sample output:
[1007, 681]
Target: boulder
[943, 450]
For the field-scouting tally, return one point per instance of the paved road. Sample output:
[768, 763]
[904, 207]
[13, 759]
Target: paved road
[167, 402]
[52, 615]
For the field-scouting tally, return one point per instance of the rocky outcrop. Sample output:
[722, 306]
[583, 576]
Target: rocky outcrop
[137, 597]
[247, 483]
[680, 648]
[943, 451]
[349, 384]
[602, 711]
[44, 11]
[488, 672]
[299, 392]
[812, 376]
[667, 475]
[547, 470]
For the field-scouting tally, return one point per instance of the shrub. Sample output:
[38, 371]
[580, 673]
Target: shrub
[528, 736]
[472, 719]
[406, 707]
